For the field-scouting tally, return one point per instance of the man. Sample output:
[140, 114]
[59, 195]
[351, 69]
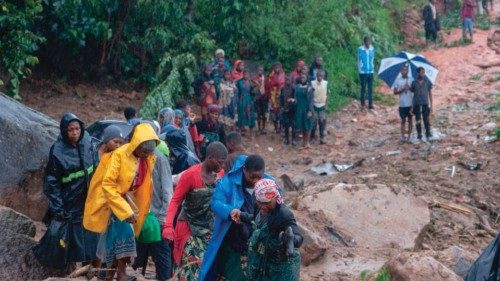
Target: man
[431, 22]
[365, 58]
[402, 89]
[192, 231]
[320, 87]
[467, 17]
[235, 148]
[422, 102]
[131, 115]
[232, 201]
[316, 66]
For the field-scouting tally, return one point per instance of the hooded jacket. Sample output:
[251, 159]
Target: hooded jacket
[184, 158]
[114, 177]
[68, 172]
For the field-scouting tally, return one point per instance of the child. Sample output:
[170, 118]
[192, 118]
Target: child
[178, 118]
[304, 109]
[273, 246]
[467, 17]
[276, 82]
[320, 87]
[422, 102]
[227, 99]
[261, 99]
[287, 110]
[211, 128]
[295, 74]
[246, 110]
[188, 125]
[402, 88]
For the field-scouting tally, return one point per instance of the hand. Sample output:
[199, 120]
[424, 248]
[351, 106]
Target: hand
[407, 87]
[235, 216]
[132, 218]
[168, 233]
[309, 114]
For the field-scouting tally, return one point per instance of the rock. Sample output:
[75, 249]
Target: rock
[456, 259]
[313, 247]
[17, 261]
[374, 217]
[12, 221]
[419, 267]
[24, 145]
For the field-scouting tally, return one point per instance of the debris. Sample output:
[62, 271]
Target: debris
[287, 183]
[354, 120]
[376, 143]
[451, 169]
[345, 167]
[270, 149]
[484, 224]
[257, 145]
[490, 138]
[423, 150]
[336, 236]
[369, 176]
[459, 107]
[435, 136]
[471, 166]
[302, 161]
[324, 169]
[451, 207]
[393, 153]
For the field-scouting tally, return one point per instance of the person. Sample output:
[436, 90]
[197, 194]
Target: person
[295, 74]
[205, 90]
[188, 125]
[121, 196]
[112, 138]
[365, 57]
[287, 101]
[211, 128]
[220, 55]
[261, 99]
[131, 115]
[65, 184]
[431, 22]
[226, 253]
[228, 99]
[178, 118]
[422, 103]
[320, 86]
[273, 247]
[192, 231]
[316, 66]
[235, 148]
[246, 109]
[304, 97]
[218, 71]
[160, 251]
[467, 17]
[238, 71]
[402, 89]
[276, 82]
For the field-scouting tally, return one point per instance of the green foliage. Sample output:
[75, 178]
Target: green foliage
[383, 275]
[17, 41]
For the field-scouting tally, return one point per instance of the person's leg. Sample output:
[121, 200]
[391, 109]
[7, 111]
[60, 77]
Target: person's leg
[162, 258]
[110, 274]
[427, 124]
[418, 117]
[427, 36]
[370, 90]
[471, 29]
[305, 138]
[287, 134]
[315, 120]
[121, 269]
[322, 125]
[410, 125]
[362, 80]
[464, 29]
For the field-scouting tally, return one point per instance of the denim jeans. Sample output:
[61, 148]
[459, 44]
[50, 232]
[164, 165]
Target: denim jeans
[366, 82]
[319, 115]
[162, 257]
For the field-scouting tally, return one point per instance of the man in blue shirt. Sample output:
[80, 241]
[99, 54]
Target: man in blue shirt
[365, 57]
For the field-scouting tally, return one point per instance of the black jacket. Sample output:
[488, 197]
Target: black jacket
[68, 173]
[280, 219]
[181, 157]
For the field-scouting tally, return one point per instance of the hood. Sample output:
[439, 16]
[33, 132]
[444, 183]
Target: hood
[141, 133]
[237, 169]
[63, 126]
[176, 140]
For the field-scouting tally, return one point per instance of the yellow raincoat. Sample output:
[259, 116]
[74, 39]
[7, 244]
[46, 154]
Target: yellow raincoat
[113, 178]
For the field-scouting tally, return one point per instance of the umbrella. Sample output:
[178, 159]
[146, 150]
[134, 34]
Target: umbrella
[390, 68]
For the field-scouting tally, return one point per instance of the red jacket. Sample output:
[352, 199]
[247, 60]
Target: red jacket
[467, 10]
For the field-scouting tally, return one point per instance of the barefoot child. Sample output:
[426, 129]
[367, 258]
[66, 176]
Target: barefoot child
[287, 110]
[246, 109]
[304, 109]
[402, 89]
[261, 99]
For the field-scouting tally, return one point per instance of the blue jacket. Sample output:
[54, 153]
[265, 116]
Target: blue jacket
[365, 60]
[228, 195]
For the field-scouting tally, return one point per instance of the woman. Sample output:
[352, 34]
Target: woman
[66, 181]
[272, 250]
[246, 109]
[227, 99]
[238, 71]
[121, 196]
[303, 109]
[276, 83]
[112, 138]
[195, 221]
[211, 128]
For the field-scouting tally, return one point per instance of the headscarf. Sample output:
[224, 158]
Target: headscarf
[168, 115]
[265, 190]
[111, 132]
[178, 112]
[219, 51]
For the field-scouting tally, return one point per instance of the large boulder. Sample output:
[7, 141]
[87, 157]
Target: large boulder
[375, 216]
[313, 248]
[419, 267]
[25, 140]
[17, 261]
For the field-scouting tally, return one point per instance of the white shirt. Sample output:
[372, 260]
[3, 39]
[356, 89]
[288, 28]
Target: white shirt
[320, 92]
[406, 97]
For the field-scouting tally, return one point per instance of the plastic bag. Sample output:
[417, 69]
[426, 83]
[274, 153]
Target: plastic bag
[150, 232]
[52, 250]
[487, 266]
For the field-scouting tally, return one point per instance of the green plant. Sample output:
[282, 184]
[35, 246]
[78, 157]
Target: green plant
[17, 41]
[383, 275]
[476, 77]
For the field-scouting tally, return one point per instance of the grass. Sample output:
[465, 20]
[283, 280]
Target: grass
[476, 77]
[382, 275]
[385, 99]
[452, 20]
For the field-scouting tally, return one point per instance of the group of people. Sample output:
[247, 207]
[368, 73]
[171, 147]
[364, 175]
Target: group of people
[293, 103]
[147, 194]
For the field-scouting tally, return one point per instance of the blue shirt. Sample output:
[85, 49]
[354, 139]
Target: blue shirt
[365, 59]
